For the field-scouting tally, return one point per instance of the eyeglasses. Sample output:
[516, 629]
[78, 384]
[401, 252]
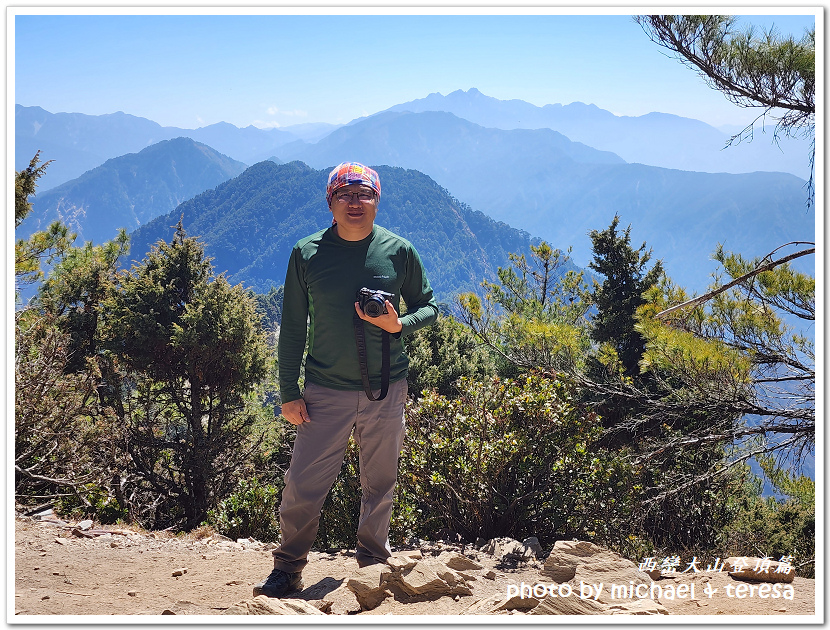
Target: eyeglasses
[346, 197]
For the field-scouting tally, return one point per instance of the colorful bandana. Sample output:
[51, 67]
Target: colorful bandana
[352, 173]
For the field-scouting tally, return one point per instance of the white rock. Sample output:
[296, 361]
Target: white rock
[458, 562]
[569, 606]
[263, 605]
[342, 601]
[639, 607]
[368, 585]
[767, 571]
[399, 562]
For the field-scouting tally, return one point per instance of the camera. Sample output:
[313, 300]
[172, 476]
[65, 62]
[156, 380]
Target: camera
[373, 302]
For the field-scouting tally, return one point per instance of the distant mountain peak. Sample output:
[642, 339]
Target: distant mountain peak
[221, 125]
[471, 92]
[131, 189]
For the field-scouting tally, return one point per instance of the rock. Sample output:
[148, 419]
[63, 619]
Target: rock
[578, 562]
[179, 572]
[516, 602]
[565, 557]
[422, 580]
[581, 561]
[300, 607]
[44, 513]
[399, 563]
[508, 549]
[766, 571]
[229, 545]
[368, 585]
[469, 577]
[167, 611]
[483, 606]
[589, 574]
[639, 607]
[458, 562]
[490, 605]
[533, 544]
[323, 607]
[654, 574]
[492, 546]
[455, 580]
[490, 575]
[85, 525]
[263, 605]
[132, 593]
[414, 553]
[341, 601]
[569, 606]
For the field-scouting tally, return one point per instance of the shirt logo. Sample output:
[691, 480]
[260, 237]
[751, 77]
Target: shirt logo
[382, 277]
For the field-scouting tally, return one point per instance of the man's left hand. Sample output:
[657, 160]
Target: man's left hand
[389, 321]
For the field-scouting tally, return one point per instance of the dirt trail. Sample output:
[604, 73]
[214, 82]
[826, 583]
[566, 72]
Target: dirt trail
[58, 572]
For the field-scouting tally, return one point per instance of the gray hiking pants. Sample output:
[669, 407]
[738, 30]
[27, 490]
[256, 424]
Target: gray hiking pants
[318, 455]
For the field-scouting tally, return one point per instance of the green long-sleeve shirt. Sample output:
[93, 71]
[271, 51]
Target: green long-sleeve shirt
[324, 275]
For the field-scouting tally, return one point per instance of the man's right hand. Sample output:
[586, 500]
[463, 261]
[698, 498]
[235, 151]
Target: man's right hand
[295, 411]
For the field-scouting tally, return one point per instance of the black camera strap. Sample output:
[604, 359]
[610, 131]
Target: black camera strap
[360, 339]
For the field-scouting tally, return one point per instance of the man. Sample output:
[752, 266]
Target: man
[325, 273]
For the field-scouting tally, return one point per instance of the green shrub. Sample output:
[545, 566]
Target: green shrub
[442, 353]
[251, 511]
[100, 506]
[509, 458]
[776, 526]
[341, 510]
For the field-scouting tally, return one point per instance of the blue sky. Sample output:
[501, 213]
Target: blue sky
[277, 70]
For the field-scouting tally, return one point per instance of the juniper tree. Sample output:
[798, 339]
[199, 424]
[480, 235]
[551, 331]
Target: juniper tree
[625, 278]
[191, 349]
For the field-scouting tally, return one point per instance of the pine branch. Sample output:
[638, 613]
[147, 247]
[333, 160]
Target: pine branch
[708, 296]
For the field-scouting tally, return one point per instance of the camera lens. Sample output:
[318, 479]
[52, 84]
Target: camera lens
[374, 307]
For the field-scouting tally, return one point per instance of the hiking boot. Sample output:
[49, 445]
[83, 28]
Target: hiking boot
[279, 583]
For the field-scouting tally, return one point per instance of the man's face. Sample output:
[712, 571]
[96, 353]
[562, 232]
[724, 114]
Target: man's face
[354, 208]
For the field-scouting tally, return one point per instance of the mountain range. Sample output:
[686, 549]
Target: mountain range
[538, 180]
[128, 191]
[655, 139]
[80, 142]
[250, 223]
